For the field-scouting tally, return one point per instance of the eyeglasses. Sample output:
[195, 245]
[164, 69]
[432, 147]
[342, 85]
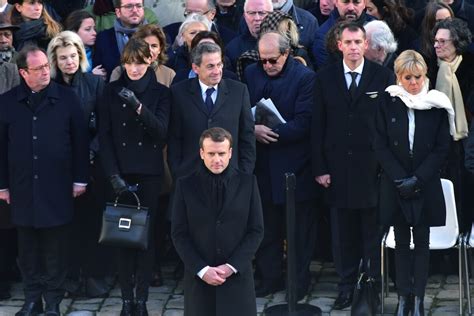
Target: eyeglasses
[271, 61]
[442, 42]
[188, 12]
[255, 13]
[40, 68]
[130, 6]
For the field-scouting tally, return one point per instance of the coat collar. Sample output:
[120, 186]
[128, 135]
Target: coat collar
[52, 94]
[196, 97]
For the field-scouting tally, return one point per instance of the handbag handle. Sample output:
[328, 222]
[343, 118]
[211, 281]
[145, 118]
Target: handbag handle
[136, 198]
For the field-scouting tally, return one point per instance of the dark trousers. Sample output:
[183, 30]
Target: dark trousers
[412, 266]
[87, 258]
[43, 262]
[270, 253]
[8, 250]
[139, 263]
[355, 236]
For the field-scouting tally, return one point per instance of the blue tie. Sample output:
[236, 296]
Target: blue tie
[209, 103]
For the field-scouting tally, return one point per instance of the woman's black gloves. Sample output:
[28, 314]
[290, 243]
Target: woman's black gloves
[408, 188]
[129, 98]
[118, 184]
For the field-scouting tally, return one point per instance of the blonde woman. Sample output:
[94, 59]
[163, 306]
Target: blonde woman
[412, 142]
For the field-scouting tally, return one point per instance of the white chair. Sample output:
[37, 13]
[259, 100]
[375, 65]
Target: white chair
[443, 237]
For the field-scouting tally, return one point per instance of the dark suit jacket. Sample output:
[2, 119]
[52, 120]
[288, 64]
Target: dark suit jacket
[342, 133]
[205, 236]
[42, 153]
[132, 143]
[189, 118]
[430, 149]
[106, 52]
[292, 93]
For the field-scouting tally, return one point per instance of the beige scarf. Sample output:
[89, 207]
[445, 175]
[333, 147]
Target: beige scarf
[447, 82]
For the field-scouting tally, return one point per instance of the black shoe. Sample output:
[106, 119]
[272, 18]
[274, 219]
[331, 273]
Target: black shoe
[418, 308]
[343, 300]
[52, 310]
[140, 308]
[405, 305]
[264, 289]
[127, 308]
[30, 309]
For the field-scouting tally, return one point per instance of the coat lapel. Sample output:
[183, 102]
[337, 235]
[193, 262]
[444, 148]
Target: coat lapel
[196, 97]
[222, 94]
[230, 194]
[365, 79]
[341, 82]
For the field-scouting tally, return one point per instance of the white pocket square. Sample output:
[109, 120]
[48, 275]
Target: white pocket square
[372, 94]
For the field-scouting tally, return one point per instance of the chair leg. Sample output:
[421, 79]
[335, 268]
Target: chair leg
[466, 274]
[460, 279]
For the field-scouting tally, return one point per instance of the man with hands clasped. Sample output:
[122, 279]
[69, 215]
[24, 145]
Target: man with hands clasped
[216, 227]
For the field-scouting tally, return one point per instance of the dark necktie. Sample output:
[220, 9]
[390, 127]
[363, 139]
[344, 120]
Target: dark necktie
[353, 86]
[209, 103]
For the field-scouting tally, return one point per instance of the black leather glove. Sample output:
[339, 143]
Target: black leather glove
[408, 188]
[118, 184]
[129, 98]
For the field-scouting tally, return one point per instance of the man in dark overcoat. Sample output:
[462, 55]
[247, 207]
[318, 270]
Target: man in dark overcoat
[44, 159]
[216, 227]
[347, 94]
[204, 102]
[283, 148]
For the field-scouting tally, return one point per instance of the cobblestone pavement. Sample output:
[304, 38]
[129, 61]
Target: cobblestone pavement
[441, 297]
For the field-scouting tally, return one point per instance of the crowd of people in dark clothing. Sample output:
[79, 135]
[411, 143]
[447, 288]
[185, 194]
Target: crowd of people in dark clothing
[368, 102]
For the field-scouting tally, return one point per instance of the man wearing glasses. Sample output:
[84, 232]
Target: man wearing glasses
[110, 43]
[254, 13]
[283, 148]
[44, 158]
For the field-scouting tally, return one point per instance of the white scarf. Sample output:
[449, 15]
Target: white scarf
[425, 100]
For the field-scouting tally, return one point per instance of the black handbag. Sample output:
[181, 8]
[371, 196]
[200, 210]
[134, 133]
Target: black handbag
[125, 225]
[364, 301]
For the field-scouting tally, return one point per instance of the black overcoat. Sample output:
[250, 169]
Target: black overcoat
[132, 143]
[189, 118]
[430, 149]
[342, 130]
[42, 153]
[205, 236]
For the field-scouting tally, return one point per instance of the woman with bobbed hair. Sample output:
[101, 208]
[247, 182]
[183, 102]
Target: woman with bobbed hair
[132, 130]
[36, 24]
[435, 11]
[452, 72]
[89, 262]
[411, 196]
[193, 24]
[156, 39]
[83, 23]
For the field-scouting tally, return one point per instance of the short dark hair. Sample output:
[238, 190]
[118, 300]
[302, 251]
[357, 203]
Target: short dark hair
[74, 20]
[21, 60]
[351, 27]
[459, 32]
[204, 48]
[216, 134]
[135, 51]
[118, 3]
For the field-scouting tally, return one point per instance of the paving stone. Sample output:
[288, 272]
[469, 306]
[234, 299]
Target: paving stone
[448, 294]
[11, 302]
[340, 313]
[85, 307]
[324, 303]
[112, 301]
[452, 279]
[177, 302]
[174, 312]
[108, 313]
[159, 296]
[163, 289]
[8, 310]
[87, 300]
[81, 313]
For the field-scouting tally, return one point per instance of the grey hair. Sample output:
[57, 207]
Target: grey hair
[269, 2]
[380, 35]
[192, 18]
[204, 48]
[283, 41]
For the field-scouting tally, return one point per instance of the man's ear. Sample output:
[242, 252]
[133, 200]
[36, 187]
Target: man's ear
[117, 13]
[201, 153]
[230, 152]
[339, 45]
[195, 68]
[212, 14]
[22, 72]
